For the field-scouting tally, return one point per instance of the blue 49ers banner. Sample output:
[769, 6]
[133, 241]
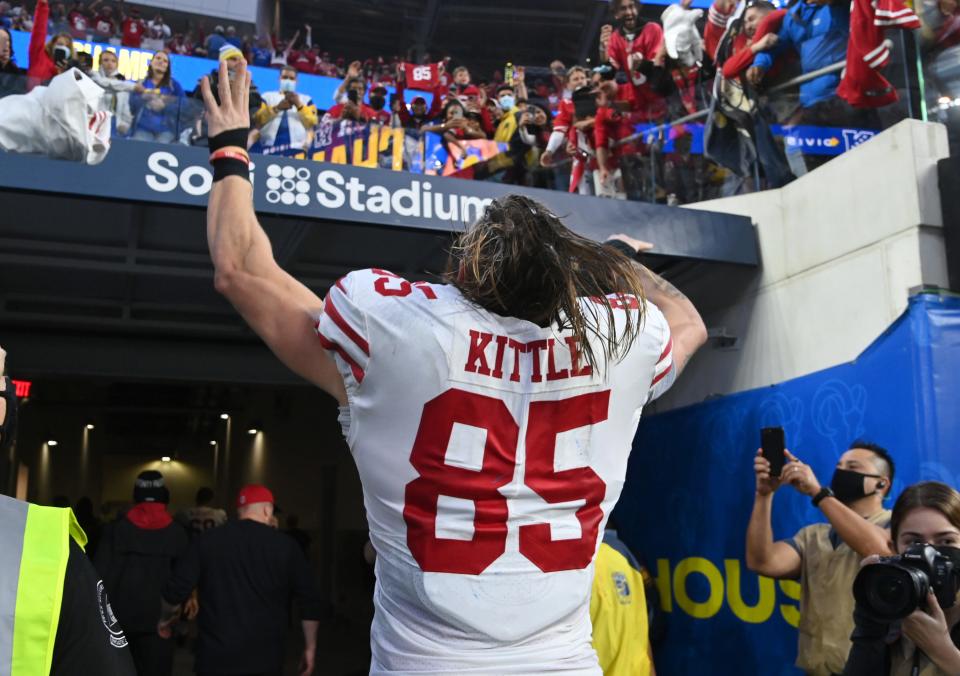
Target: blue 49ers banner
[690, 485]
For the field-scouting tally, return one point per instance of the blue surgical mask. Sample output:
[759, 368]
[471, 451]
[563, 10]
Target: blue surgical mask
[507, 102]
[288, 85]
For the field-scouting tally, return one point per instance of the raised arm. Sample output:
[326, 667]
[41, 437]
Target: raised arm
[281, 310]
[38, 34]
[686, 326]
[764, 556]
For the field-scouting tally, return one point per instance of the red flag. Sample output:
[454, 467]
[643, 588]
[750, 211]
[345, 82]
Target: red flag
[425, 77]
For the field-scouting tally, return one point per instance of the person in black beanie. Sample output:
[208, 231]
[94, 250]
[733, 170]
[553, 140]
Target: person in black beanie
[135, 558]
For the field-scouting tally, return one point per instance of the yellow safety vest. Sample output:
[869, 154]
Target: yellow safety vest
[34, 549]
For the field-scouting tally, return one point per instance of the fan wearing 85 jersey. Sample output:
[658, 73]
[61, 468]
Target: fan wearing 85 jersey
[491, 418]
[490, 455]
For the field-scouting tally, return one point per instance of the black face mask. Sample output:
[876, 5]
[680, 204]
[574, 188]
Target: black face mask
[847, 485]
[377, 102]
[8, 427]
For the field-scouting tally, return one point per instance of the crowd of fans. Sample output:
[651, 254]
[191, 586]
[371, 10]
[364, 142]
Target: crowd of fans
[568, 127]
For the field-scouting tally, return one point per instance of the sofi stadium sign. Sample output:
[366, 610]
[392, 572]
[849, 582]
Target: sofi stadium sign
[330, 188]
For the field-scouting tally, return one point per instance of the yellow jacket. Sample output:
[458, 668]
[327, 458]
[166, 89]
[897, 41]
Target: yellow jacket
[618, 610]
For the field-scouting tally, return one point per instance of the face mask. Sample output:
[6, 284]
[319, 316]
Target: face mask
[61, 54]
[847, 485]
[288, 85]
[507, 102]
[8, 427]
[377, 102]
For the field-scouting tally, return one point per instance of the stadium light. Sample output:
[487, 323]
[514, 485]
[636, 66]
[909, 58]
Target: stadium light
[213, 442]
[165, 458]
[224, 416]
[252, 431]
[89, 426]
[51, 443]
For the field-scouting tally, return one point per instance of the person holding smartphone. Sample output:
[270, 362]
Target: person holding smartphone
[824, 556]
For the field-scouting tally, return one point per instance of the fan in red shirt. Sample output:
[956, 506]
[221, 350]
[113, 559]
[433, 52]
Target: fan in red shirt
[179, 44]
[79, 21]
[353, 108]
[378, 103]
[635, 47]
[47, 59]
[717, 18]
[133, 28]
[104, 23]
[575, 78]
[474, 102]
[418, 114]
[304, 60]
[609, 127]
[757, 32]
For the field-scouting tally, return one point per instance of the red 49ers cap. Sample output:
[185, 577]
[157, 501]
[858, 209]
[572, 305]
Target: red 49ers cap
[253, 493]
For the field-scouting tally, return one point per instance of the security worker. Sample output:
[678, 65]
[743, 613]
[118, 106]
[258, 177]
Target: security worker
[618, 611]
[55, 619]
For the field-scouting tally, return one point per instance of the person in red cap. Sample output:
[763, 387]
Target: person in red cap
[474, 100]
[245, 572]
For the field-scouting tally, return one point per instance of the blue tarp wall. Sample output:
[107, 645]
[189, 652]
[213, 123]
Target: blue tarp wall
[690, 484]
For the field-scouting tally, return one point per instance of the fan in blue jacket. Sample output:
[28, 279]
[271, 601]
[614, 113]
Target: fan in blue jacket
[818, 32]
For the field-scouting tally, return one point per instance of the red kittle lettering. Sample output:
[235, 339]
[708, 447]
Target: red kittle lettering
[478, 357]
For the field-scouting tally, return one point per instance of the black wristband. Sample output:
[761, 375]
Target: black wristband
[230, 137]
[622, 247]
[824, 492]
[228, 166]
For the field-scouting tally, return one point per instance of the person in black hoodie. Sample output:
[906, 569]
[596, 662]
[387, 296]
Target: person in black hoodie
[135, 558]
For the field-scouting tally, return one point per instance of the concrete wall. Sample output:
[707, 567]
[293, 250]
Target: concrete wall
[841, 248]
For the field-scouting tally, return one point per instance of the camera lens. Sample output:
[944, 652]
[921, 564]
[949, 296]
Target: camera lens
[889, 591]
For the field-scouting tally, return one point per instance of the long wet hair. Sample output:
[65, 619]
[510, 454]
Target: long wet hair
[519, 260]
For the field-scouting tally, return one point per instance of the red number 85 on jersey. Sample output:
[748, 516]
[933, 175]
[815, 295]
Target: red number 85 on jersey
[546, 419]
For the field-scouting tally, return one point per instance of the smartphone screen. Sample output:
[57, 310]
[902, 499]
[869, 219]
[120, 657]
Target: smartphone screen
[772, 443]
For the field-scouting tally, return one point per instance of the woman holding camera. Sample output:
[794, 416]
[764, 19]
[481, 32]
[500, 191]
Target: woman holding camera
[47, 59]
[925, 642]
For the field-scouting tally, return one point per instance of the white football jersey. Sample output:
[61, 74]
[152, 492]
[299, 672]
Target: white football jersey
[490, 455]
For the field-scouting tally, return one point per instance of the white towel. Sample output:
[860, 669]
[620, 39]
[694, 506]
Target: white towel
[61, 121]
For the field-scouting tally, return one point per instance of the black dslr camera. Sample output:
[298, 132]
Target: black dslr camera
[897, 585]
